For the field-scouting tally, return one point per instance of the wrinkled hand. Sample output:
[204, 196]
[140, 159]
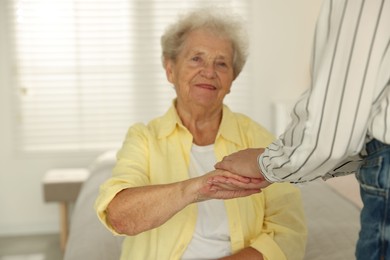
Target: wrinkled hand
[243, 163]
[220, 184]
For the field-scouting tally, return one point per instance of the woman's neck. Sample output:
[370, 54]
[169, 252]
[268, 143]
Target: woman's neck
[202, 124]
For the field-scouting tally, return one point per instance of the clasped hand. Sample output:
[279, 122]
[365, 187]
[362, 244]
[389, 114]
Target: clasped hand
[240, 172]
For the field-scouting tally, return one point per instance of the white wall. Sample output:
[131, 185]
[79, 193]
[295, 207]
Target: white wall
[282, 53]
[22, 209]
[284, 34]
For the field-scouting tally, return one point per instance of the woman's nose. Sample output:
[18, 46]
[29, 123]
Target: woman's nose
[208, 71]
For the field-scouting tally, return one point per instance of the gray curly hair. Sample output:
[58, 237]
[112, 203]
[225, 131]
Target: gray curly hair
[219, 21]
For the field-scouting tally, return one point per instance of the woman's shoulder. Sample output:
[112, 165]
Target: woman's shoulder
[137, 127]
[157, 126]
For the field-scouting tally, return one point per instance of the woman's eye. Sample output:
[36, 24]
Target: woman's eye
[196, 59]
[223, 65]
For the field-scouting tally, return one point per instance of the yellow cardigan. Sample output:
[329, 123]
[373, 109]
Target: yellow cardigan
[272, 221]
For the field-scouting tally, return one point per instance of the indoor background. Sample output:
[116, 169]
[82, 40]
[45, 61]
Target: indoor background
[75, 74]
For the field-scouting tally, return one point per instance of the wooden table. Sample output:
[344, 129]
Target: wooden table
[63, 186]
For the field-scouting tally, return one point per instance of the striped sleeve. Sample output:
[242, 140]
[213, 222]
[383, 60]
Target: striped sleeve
[348, 100]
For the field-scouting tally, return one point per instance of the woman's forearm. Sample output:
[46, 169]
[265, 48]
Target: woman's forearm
[247, 253]
[139, 209]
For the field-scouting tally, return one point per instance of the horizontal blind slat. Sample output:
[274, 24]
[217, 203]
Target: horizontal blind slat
[86, 70]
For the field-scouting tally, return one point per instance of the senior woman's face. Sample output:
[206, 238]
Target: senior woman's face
[203, 71]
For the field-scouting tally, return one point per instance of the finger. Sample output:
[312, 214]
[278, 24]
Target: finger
[217, 179]
[237, 177]
[238, 181]
[227, 180]
[251, 185]
[223, 194]
[223, 165]
[256, 180]
[226, 158]
[223, 186]
[238, 186]
[219, 165]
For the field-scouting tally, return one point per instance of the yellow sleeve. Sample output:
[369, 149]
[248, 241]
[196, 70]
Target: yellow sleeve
[130, 171]
[284, 231]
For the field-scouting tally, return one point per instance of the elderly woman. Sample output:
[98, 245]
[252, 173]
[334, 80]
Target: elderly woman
[160, 195]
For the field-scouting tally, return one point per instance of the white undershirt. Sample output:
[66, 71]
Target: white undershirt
[211, 238]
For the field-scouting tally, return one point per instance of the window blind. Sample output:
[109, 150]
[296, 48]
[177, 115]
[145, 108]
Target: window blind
[85, 70]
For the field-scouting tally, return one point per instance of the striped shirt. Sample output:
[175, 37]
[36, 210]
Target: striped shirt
[348, 102]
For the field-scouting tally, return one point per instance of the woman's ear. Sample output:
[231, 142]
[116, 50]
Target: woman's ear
[169, 66]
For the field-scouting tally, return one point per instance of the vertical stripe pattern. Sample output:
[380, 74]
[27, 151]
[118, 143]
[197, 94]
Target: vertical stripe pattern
[348, 100]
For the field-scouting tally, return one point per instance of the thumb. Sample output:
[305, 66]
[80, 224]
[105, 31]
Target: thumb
[223, 165]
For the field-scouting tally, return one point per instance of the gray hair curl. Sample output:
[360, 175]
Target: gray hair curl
[218, 21]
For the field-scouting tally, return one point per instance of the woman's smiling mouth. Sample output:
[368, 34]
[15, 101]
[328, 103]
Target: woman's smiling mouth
[205, 86]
